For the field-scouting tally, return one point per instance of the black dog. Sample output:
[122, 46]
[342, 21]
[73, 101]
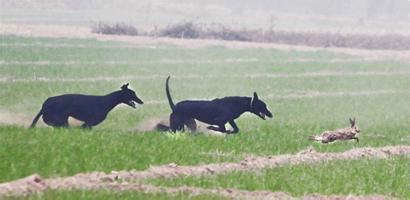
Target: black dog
[216, 112]
[92, 110]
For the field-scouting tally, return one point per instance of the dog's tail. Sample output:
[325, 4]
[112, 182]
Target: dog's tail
[171, 103]
[33, 124]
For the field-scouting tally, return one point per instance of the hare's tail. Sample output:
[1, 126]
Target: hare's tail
[315, 138]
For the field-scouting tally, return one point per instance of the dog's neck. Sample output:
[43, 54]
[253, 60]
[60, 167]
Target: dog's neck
[247, 104]
[113, 99]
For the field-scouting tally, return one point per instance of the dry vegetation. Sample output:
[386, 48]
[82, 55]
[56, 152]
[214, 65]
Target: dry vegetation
[190, 30]
[115, 29]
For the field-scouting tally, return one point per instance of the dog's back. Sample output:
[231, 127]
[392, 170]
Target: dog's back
[208, 111]
[201, 110]
[70, 103]
[67, 100]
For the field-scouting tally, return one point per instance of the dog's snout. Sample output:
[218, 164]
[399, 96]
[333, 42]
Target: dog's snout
[139, 101]
[269, 114]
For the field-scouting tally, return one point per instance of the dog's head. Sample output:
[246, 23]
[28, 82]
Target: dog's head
[258, 107]
[129, 97]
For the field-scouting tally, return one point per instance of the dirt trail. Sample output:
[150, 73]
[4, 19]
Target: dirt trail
[248, 164]
[84, 32]
[182, 61]
[35, 184]
[162, 124]
[13, 118]
[10, 118]
[119, 180]
[194, 76]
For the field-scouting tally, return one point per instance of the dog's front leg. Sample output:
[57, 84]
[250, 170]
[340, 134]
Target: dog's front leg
[234, 126]
[191, 124]
[220, 128]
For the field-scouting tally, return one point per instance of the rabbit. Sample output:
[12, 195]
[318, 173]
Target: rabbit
[340, 134]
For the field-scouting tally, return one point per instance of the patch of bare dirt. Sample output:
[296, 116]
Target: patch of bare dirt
[38, 30]
[178, 61]
[9, 118]
[83, 32]
[228, 193]
[105, 78]
[162, 124]
[159, 61]
[24, 186]
[12, 118]
[35, 184]
[66, 45]
[250, 163]
[195, 76]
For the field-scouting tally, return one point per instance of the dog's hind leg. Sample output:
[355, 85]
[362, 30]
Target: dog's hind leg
[56, 120]
[86, 126]
[234, 126]
[176, 123]
[191, 124]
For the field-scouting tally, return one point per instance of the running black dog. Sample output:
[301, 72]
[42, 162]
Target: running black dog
[216, 112]
[92, 110]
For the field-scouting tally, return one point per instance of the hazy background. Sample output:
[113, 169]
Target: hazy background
[364, 16]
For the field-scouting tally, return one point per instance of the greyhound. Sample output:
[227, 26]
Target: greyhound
[92, 110]
[215, 112]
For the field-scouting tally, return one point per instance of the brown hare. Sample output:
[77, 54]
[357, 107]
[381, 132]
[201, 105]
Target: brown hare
[340, 134]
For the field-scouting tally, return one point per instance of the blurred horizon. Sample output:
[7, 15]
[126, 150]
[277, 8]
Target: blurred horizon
[350, 16]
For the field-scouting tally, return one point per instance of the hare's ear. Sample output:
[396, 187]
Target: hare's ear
[352, 121]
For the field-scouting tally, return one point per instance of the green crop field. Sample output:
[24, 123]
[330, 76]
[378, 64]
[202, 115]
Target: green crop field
[308, 92]
[338, 177]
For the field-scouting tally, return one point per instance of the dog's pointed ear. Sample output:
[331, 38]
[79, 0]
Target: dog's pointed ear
[125, 86]
[254, 98]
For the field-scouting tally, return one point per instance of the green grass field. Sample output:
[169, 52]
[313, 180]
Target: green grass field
[308, 92]
[339, 177]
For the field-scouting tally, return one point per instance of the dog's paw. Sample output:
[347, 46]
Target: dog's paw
[214, 128]
[231, 132]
